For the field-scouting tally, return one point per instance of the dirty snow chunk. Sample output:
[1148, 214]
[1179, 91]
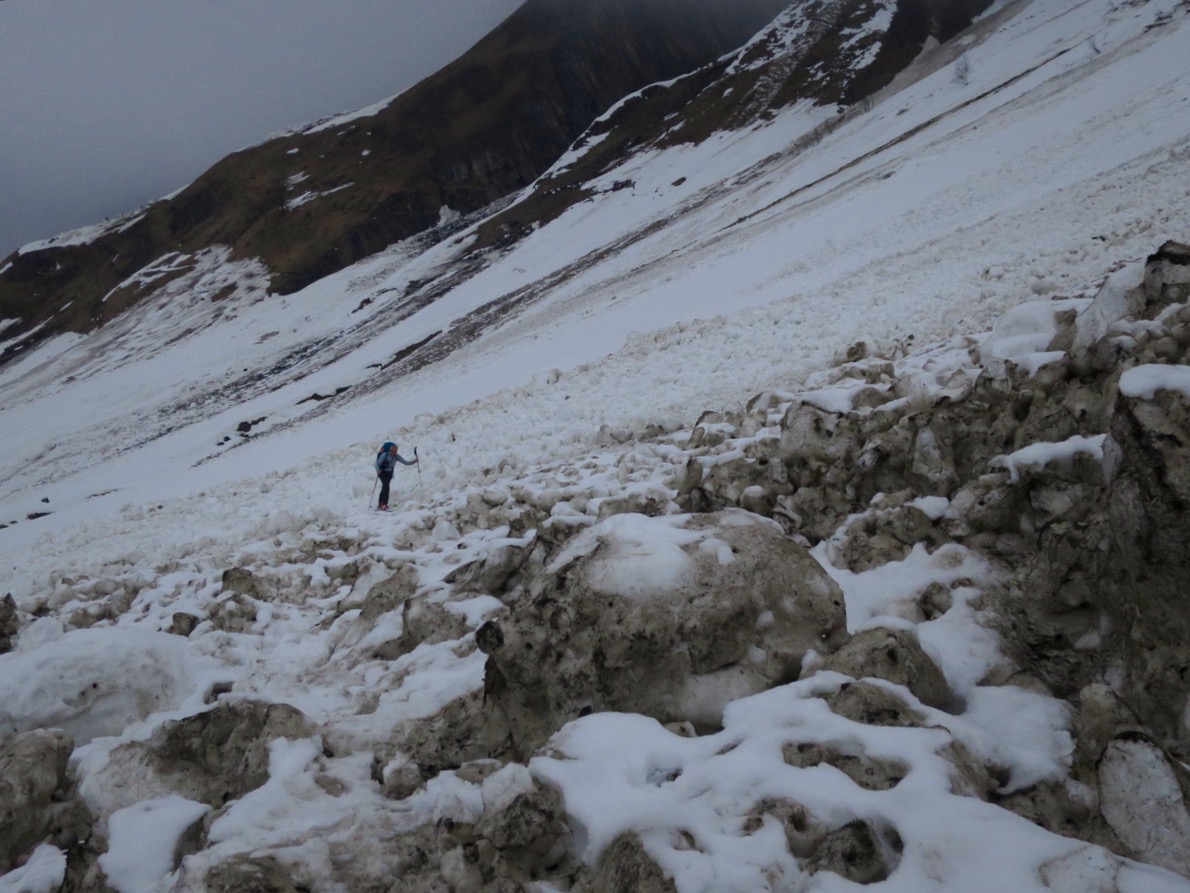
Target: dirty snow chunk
[446, 797]
[1091, 868]
[933, 507]
[1033, 363]
[266, 807]
[1025, 732]
[1143, 382]
[143, 839]
[891, 591]
[444, 531]
[475, 611]
[705, 789]
[966, 649]
[838, 398]
[1039, 455]
[1111, 303]
[640, 557]
[43, 873]
[40, 632]
[504, 786]
[1028, 328]
[95, 682]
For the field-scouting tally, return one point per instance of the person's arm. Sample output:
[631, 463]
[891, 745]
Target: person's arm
[405, 461]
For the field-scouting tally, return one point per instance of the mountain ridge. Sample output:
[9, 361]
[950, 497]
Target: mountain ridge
[482, 127]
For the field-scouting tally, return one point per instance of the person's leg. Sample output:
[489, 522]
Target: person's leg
[385, 480]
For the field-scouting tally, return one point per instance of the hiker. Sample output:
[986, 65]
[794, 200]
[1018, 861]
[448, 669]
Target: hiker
[386, 461]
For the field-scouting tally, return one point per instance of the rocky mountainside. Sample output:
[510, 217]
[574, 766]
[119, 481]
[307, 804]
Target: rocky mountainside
[312, 202]
[307, 204]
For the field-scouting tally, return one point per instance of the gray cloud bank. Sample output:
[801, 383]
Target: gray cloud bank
[108, 104]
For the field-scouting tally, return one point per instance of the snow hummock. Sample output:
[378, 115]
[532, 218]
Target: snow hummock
[638, 556]
[143, 839]
[1143, 382]
[98, 682]
[1039, 455]
[43, 873]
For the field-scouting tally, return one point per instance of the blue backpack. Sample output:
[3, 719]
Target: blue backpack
[385, 461]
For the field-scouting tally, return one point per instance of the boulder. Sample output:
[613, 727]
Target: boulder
[894, 655]
[223, 753]
[870, 773]
[670, 617]
[627, 865]
[9, 623]
[32, 769]
[857, 851]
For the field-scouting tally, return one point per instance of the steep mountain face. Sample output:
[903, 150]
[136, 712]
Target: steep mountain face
[310, 203]
[831, 53]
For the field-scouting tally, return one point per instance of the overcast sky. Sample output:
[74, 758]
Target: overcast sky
[108, 104]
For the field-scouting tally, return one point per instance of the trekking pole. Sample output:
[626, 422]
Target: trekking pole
[374, 483]
[418, 458]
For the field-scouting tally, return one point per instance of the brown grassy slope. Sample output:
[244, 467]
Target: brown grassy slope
[481, 128]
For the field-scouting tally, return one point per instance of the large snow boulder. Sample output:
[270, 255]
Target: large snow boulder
[671, 617]
[96, 682]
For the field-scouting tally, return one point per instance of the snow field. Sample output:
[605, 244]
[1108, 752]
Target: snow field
[1037, 191]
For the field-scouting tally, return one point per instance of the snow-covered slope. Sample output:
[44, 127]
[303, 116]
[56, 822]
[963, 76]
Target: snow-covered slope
[697, 276]
[928, 213]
